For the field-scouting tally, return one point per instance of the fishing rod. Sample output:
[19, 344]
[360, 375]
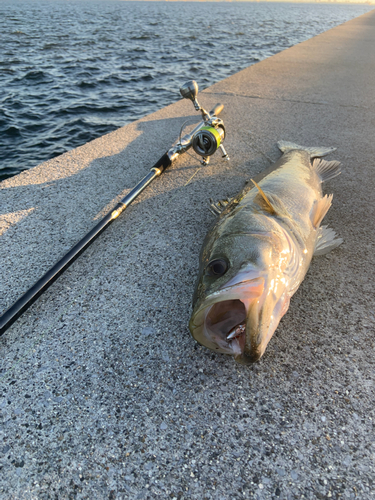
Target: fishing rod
[206, 138]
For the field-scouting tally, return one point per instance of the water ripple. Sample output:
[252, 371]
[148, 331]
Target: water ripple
[73, 71]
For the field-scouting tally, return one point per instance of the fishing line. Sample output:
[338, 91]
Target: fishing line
[256, 148]
[180, 136]
[127, 242]
[205, 138]
[252, 134]
[96, 275]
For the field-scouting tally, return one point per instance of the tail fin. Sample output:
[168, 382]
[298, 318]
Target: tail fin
[286, 146]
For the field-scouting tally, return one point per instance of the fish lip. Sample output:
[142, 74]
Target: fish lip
[223, 291]
[248, 358]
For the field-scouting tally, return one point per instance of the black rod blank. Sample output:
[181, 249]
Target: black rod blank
[28, 298]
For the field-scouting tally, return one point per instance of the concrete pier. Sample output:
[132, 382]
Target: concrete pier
[104, 394]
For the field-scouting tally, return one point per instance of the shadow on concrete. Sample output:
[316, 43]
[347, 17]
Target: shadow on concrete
[107, 174]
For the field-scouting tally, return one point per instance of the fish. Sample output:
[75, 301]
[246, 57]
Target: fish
[258, 252]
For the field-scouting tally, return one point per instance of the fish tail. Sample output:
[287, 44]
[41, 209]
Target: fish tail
[317, 152]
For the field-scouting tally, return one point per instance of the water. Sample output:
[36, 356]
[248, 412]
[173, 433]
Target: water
[71, 71]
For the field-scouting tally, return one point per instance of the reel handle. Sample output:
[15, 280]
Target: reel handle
[217, 109]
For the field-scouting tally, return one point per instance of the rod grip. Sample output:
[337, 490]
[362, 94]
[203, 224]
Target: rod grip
[163, 163]
[217, 109]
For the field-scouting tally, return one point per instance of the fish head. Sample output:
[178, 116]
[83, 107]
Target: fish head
[241, 293]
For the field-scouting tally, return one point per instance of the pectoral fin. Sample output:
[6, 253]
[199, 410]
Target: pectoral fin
[262, 200]
[320, 210]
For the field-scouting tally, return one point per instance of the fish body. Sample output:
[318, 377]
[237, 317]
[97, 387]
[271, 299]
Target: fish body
[257, 253]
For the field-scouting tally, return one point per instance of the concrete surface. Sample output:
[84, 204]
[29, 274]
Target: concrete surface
[104, 394]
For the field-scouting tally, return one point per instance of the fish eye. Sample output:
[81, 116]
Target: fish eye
[217, 267]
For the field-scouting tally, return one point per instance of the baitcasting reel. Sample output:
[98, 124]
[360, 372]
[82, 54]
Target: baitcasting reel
[209, 135]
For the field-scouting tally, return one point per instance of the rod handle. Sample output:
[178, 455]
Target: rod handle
[162, 164]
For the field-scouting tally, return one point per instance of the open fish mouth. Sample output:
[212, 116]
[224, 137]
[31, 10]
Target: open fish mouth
[225, 323]
[220, 321]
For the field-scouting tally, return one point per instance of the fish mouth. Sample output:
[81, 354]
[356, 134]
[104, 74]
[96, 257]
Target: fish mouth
[220, 323]
[226, 323]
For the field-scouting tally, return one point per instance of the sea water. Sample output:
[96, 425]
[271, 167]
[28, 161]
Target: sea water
[73, 70]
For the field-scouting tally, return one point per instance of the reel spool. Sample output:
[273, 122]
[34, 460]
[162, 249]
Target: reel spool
[208, 140]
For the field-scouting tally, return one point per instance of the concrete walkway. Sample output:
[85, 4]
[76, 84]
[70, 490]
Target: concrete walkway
[104, 394]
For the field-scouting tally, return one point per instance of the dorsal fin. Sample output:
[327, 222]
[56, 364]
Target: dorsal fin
[326, 169]
[262, 200]
[218, 207]
[270, 203]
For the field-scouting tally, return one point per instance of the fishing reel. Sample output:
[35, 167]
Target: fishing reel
[209, 135]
